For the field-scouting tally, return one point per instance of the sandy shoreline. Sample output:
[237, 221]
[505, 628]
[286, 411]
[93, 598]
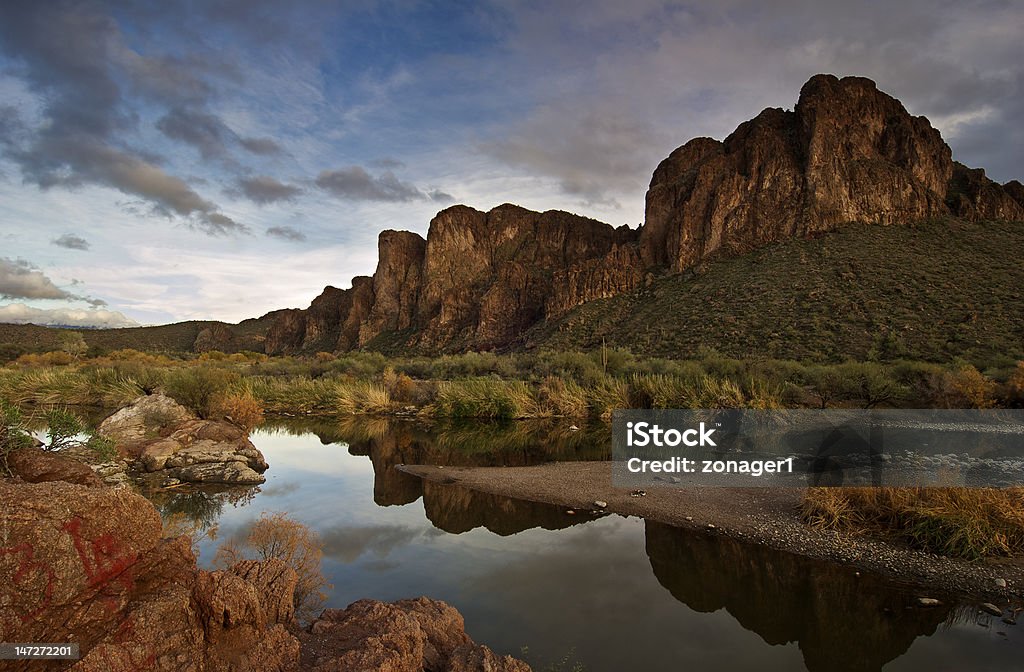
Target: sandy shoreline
[762, 516]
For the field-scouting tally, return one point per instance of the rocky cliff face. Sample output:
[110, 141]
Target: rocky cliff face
[477, 282]
[846, 153]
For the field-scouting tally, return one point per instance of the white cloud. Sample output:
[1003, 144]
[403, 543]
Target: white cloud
[19, 313]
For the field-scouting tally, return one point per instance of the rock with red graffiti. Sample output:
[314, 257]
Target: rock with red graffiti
[89, 565]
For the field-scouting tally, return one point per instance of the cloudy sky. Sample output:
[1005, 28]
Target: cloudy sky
[173, 160]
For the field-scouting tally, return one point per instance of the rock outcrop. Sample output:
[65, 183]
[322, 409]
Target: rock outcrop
[420, 634]
[164, 436]
[846, 153]
[88, 564]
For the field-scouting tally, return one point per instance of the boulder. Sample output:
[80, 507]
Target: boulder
[89, 565]
[163, 435]
[143, 420]
[36, 465]
[404, 636]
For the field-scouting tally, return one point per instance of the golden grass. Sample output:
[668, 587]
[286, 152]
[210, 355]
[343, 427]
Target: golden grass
[970, 523]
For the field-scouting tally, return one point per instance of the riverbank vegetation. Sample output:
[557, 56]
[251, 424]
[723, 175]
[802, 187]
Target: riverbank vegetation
[483, 385]
[970, 523]
[578, 388]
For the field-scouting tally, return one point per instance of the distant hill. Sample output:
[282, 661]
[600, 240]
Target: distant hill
[180, 337]
[933, 291]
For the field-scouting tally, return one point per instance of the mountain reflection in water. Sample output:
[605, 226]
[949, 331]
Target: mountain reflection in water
[609, 592]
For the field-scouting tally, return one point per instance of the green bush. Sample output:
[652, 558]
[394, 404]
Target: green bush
[197, 387]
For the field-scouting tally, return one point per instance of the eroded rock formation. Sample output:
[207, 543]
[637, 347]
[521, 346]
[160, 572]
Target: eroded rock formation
[847, 153]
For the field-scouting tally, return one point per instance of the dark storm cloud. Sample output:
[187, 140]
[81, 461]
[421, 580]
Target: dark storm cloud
[355, 183]
[260, 146]
[75, 58]
[263, 189]
[72, 242]
[204, 131]
[21, 280]
[286, 233]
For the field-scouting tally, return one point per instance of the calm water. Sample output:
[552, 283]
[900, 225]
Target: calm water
[610, 593]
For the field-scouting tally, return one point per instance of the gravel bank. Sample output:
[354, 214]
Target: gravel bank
[758, 515]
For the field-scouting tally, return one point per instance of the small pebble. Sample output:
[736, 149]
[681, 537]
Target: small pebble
[990, 608]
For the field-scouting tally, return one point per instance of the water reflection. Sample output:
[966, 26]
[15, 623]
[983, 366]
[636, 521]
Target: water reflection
[456, 509]
[840, 621]
[524, 573]
[389, 442]
[201, 506]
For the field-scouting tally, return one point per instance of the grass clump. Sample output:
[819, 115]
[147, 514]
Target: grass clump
[971, 523]
[485, 398]
[362, 396]
[239, 407]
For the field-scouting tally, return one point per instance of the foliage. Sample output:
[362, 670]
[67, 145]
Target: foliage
[198, 387]
[13, 434]
[63, 428]
[238, 407]
[278, 536]
[970, 523]
[485, 398]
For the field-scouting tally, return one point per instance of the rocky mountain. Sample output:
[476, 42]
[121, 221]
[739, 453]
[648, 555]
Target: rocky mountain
[846, 153]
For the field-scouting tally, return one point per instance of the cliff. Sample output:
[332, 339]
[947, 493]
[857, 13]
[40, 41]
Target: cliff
[477, 281]
[847, 153]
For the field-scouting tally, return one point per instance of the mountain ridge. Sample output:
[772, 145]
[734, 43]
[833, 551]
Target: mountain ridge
[846, 153]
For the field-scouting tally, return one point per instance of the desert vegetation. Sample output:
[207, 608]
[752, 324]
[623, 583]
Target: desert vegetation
[970, 523]
[275, 535]
[242, 387]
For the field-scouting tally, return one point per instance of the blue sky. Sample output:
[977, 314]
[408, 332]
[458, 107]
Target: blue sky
[220, 159]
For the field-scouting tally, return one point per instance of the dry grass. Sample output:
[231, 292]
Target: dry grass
[239, 407]
[970, 523]
[362, 397]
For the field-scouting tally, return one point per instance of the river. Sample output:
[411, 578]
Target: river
[578, 592]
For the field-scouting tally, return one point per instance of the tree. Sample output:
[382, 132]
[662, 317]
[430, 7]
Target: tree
[73, 343]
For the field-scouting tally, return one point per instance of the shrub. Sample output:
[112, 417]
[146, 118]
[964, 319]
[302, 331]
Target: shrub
[399, 386]
[55, 358]
[972, 389]
[278, 536]
[240, 408]
[1014, 389]
[12, 433]
[197, 387]
[871, 383]
[63, 428]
